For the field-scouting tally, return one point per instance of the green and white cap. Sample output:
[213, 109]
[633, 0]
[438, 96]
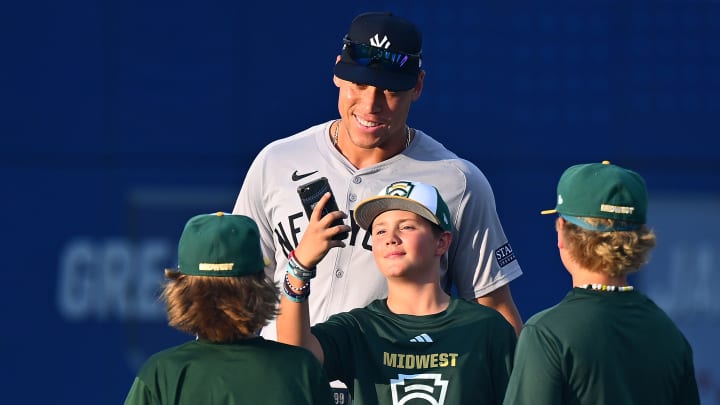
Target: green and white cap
[413, 196]
[601, 190]
[220, 245]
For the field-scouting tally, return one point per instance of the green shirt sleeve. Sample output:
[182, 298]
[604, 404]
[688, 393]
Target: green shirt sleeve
[140, 394]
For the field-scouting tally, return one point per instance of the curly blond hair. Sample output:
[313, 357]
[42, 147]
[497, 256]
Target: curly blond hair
[616, 253]
[220, 309]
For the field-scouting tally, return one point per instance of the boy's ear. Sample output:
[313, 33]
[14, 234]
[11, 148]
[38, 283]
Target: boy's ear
[443, 243]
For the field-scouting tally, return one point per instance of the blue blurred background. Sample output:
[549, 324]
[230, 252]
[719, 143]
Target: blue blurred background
[121, 119]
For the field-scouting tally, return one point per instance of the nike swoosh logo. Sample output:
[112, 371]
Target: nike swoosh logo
[296, 176]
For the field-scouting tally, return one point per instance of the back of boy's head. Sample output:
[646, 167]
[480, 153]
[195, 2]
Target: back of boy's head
[605, 207]
[220, 252]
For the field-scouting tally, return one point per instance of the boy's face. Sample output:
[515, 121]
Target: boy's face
[407, 245]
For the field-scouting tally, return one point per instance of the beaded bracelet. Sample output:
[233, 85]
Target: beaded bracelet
[299, 271]
[293, 296]
[305, 287]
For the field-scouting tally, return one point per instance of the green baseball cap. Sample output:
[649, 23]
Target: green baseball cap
[413, 196]
[601, 190]
[221, 245]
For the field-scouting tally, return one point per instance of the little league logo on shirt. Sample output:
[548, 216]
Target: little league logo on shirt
[429, 387]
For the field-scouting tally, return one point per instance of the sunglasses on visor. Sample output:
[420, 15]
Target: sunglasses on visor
[364, 54]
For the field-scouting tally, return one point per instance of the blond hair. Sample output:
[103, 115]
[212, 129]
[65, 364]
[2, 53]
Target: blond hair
[615, 253]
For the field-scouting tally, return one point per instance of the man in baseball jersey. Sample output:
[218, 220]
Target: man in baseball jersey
[221, 295]
[379, 76]
[605, 342]
[418, 345]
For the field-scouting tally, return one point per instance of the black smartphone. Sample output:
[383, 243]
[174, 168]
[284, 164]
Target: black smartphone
[311, 193]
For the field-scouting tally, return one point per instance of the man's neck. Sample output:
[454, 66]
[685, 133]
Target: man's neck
[361, 158]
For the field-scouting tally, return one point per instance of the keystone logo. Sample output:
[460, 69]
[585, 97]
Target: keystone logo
[400, 189]
[430, 388]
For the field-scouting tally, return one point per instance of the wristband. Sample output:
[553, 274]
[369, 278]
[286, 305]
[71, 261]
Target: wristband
[299, 271]
[294, 298]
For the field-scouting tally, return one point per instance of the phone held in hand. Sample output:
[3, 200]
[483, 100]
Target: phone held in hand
[311, 193]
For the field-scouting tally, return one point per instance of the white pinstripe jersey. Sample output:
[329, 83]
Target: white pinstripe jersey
[480, 258]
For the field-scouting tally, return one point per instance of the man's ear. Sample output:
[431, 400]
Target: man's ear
[417, 90]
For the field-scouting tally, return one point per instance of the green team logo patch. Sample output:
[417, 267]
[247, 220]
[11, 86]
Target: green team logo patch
[428, 387]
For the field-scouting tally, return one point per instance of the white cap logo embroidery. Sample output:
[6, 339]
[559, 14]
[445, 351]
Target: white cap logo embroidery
[376, 42]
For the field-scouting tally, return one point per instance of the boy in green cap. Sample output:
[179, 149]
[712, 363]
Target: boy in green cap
[605, 342]
[221, 295]
[418, 345]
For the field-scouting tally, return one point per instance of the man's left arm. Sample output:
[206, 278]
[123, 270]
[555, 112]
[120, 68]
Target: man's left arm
[501, 300]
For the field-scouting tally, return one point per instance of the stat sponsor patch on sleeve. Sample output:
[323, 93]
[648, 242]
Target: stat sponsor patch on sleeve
[504, 255]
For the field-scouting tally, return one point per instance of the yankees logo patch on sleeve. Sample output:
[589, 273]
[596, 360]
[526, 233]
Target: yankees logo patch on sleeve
[504, 255]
